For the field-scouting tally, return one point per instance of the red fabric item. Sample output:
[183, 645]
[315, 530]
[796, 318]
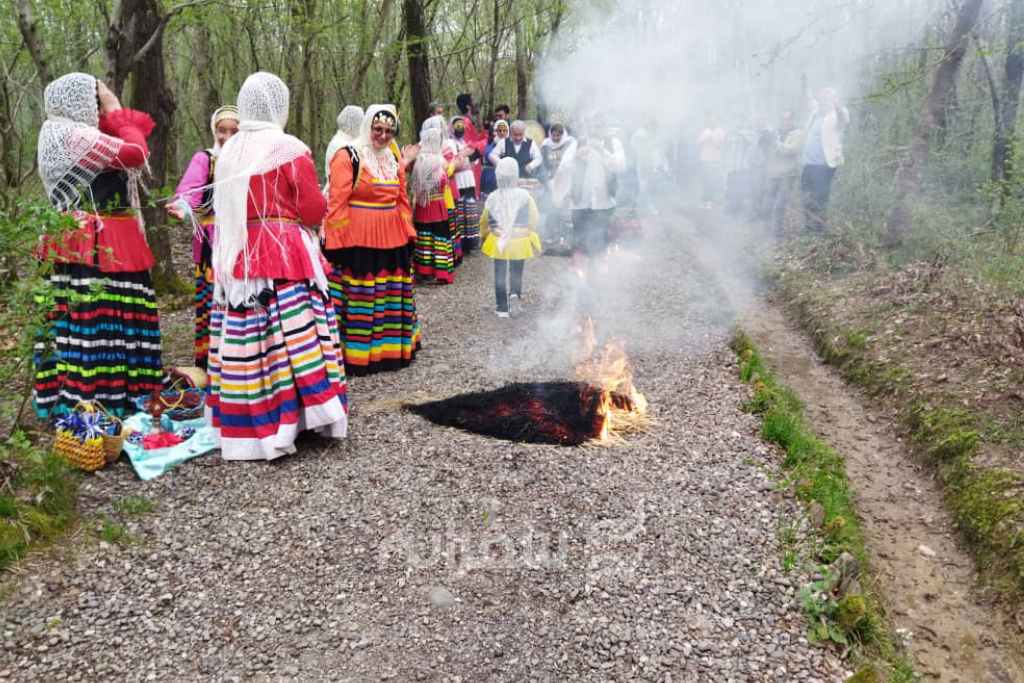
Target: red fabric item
[435, 211]
[133, 127]
[277, 252]
[118, 242]
[152, 442]
[291, 191]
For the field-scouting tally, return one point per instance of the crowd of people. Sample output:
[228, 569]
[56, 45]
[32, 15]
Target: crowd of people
[756, 169]
[301, 283]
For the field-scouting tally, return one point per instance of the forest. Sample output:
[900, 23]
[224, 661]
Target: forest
[880, 358]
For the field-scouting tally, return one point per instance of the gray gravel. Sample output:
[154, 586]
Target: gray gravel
[412, 552]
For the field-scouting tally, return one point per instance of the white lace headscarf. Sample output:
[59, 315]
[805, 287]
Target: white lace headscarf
[225, 113]
[380, 162]
[429, 169]
[259, 146]
[72, 151]
[504, 204]
[438, 123]
[350, 120]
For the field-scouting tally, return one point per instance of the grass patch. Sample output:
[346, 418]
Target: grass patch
[133, 506]
[854, 620]
[986, 502]
[112, 532]
[39, 499]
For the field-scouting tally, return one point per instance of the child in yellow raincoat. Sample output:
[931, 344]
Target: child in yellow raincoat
[509, 230]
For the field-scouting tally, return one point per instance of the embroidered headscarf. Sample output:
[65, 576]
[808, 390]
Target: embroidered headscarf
[72, 151]
[259, 146]
[382, 163]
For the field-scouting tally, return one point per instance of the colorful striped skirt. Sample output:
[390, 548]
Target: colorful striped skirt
[275, 370]
[203, 304]
[435, 253]
[453, 230]
[101, 342]
[467, 219]
[376, 308]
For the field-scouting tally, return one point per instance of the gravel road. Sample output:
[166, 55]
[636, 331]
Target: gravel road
[413, 552]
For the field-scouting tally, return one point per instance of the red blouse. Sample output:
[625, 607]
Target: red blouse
[279, 201]
[289, 191]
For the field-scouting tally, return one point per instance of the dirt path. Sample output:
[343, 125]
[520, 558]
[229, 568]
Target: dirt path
[928, 579]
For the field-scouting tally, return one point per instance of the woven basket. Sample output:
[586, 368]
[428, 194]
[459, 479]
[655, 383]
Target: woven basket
[193, 377]
[88, 455]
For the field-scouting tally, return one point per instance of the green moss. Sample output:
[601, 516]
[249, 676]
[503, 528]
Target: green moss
[866, 675]
[819, 474]
[45, 504]
[986, 502]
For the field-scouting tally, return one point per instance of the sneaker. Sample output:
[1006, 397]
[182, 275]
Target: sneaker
[502, 314]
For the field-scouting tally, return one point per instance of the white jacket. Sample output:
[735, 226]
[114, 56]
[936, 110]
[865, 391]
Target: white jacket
[832, 127]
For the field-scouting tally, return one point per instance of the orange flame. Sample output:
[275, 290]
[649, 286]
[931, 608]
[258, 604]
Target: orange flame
[611, 373]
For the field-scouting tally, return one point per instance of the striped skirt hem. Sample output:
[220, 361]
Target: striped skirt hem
[275, 371]
[101, 341]
[377, 316]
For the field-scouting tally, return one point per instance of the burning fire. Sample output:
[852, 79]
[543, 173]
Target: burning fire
[621, 407]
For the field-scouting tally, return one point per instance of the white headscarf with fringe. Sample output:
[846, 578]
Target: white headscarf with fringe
[259, 146]
[72, 151]
[429, 169]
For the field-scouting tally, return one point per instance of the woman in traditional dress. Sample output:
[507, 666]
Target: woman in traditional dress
[492, 154]
[367, 238]
[103, 337]
[349, 121]
[195, 200]
[509, 226]
[467, 211]
[449, 150]
[275, 364]
[435, 258]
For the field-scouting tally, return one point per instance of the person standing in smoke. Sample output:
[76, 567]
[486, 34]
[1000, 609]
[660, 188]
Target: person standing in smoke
[822, 156]
[783, 167]
[509, 224]
[503, 112]
[594, 165]
[709, 150]
[552, 151]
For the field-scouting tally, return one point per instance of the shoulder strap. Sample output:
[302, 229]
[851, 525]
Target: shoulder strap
[356, 164]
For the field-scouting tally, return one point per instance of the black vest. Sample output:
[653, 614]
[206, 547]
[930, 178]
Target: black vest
[523, 158]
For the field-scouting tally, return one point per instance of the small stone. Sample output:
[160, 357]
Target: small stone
[441, 597]
[926, 551]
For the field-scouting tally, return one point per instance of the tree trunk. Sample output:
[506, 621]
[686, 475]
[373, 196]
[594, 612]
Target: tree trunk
[417, 37]
[135, 51]
[28, 26]
[522, 72]
[492, 67]
[909, 180]
[1006, 115]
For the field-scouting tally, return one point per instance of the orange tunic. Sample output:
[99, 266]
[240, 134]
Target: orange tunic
[375, 214]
